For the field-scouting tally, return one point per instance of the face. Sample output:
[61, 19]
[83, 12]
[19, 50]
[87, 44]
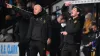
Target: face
[74, 12]
[94, 28]
[59, 18]
[37, 9]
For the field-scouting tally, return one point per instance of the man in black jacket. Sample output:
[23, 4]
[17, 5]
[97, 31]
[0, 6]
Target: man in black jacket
[20, 33]
[39, 29]
[71, 30]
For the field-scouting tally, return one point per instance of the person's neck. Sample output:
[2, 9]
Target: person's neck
[75, 17]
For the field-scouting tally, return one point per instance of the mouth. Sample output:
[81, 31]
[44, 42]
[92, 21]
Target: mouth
[34, 12]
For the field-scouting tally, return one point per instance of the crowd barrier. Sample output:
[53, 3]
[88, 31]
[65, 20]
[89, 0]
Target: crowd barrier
[9, 49]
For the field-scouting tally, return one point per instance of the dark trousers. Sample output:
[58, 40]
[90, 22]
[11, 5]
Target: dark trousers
[87, 51]
[55, 51]
[37, 46]
[68, 50]
[23, 49]
[98, 47]
[78, 49]
[97, 51]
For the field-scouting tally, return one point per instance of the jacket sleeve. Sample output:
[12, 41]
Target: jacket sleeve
[16, 33]
[74, 28]
[24, 13]
[30, 29]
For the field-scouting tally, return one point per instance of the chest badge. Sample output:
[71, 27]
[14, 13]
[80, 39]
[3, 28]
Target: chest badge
[41, 19]
[44, 21]
[75, 21]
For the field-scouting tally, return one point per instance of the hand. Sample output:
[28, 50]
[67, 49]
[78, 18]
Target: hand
[9, 5]
[64, 33]
[90, 43]
[67, 3]
[49, 41]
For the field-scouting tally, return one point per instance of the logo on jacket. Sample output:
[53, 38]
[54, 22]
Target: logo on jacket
[44, 21]
[75, 21]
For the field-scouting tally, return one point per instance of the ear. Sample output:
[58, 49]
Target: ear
[41, 9]
[78, 12]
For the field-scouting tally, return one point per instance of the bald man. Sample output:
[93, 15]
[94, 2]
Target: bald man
[39, 32]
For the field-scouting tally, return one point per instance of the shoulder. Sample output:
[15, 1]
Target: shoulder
[47, 17]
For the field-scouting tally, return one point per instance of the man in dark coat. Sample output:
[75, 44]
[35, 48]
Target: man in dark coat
[71, 30]
[39, 32]
[20, 33]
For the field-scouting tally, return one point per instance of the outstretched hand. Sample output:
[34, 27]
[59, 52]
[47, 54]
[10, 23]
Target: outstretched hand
[67, 3]
[9, 5]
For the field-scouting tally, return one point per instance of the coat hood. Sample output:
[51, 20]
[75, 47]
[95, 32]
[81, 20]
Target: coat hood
[42, 13]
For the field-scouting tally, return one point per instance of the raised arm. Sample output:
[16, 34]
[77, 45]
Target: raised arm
[23, 12]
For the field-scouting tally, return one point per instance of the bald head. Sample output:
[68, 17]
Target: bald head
[37, 9]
